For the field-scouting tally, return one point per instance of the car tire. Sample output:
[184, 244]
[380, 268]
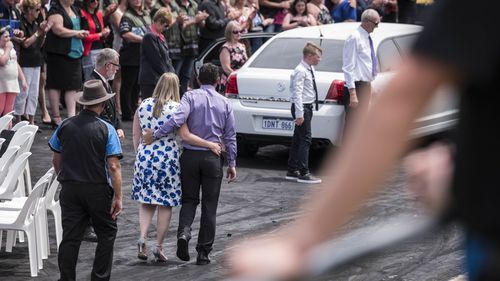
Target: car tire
[247, 150]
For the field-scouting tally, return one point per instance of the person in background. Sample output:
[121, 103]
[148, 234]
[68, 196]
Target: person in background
[156, 183]
[64, 49]
[390, 11]
[319, 11]
[10, 72]
[155, 59]
[189, 21]
[42, 103]
[407, 11]
[233, 53]
[243, 14]
[259, 24]
[343, 10]
[304, 98]
[276, 10]
[363, 5]
[10, 15]
[91, 186]
[92, 20]
[215, 23]
[134, 25]
[360, 64]
[114, 20]
[298, 16]
[30, 59]
[172, 34]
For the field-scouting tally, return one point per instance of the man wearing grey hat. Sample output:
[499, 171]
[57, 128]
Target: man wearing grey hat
[86, 157]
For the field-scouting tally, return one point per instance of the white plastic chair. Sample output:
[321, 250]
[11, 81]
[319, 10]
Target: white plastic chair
[8, 186]
[18, 138]
[55, 208]
[5, 121]
[20, 125]
[41, 217]
[6, 160]
[24, 220]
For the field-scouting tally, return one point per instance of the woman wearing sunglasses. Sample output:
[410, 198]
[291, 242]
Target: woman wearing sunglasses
[92, 20]
[233, 53]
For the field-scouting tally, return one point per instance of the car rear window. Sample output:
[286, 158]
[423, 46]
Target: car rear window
[289, 52]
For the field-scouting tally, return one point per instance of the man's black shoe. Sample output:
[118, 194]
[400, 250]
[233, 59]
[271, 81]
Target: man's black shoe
[182, 248]
[308, 178]
[292, 175]
[202, 258]
[89, 235]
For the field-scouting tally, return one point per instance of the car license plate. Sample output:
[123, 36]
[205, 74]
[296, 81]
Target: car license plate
[277, 124]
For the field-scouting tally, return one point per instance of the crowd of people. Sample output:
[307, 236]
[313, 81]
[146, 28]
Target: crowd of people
[55, 42]
[133, 60]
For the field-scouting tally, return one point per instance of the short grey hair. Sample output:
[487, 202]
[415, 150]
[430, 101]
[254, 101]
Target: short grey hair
[105, 56]
[369, 15]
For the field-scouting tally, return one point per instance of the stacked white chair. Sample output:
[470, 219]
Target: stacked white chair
[41, 216]
[24, 220]
[8, 186]
[27, 141]
[55, 208]
[5, 121]
[7, 159]
[19, 125]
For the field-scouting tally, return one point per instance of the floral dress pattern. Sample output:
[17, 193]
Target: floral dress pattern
[157, 168]
[238, 55]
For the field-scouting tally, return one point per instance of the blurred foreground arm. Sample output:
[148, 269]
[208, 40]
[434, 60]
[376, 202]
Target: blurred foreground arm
[375, 143]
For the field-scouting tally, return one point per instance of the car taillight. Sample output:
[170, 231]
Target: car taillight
[336, 91]
[232, 86]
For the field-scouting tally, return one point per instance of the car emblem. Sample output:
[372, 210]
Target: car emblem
[281, 86]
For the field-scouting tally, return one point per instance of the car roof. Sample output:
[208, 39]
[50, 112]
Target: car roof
[341, 30]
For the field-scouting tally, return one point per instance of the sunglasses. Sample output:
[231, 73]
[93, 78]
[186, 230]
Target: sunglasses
[375, 22]
[92, 1]
[115, 64]
[236, 31]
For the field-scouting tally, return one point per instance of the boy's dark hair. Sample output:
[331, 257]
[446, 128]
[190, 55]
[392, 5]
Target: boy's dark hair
[209, 73]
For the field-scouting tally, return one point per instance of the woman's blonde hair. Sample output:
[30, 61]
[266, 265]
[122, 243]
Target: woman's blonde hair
[167, 89]
[228, 33]
[30, 4]
[163, 15]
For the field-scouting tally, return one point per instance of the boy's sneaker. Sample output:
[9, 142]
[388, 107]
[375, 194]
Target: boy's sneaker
[308, 178]
[292, 175]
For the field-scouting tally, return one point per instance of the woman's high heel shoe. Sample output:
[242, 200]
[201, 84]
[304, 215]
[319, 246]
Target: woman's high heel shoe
[141, 249]
[159, 256]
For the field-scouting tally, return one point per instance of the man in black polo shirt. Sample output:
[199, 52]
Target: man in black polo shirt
[443, 54]
[86, 157]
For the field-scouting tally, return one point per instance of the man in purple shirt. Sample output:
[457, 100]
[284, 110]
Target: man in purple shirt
[209, 115]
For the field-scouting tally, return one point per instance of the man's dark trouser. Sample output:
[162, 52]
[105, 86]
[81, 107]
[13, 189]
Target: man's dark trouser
[129, 91]
[363, 92]
[79, 203]
[200, 169]
[298, 159]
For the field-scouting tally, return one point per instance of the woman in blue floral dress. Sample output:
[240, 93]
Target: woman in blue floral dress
[156, 183]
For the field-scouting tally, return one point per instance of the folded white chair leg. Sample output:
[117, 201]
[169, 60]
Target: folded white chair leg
[39, 247]
[9, 243]
[32, 249]
[27, 177]
[1, 239]
[20, 237]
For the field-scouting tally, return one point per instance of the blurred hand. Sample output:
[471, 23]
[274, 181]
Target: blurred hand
[24, 85]
[105, 32]
[116, 208]
[272, 258]
[268, 21]
[299, 121]
[80, 34]
[18, 33]
[148, 136]
[216, 148]
[111, 8]
[201, 16]
[231, 174]
[285, 5]
[353, 98]
[9, 46]
[121, 134]
[428, 174]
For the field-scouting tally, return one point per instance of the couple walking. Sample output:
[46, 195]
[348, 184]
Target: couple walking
[158, 182]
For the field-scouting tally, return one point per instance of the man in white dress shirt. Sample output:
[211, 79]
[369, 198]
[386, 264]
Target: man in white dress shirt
[304, 96]
[360, 63]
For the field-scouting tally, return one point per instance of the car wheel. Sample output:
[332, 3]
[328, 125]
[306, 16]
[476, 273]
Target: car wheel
[247, 150]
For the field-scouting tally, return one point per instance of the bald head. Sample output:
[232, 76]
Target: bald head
[370, 20]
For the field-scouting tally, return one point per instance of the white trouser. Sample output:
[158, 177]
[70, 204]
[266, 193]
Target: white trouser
[26, 101]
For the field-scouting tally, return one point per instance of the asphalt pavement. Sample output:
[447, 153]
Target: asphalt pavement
[260, 201]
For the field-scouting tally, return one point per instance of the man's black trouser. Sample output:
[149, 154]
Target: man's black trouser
[79, 203]
[298, 159]
[200, 169]
[363, 93]
[129, 91]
